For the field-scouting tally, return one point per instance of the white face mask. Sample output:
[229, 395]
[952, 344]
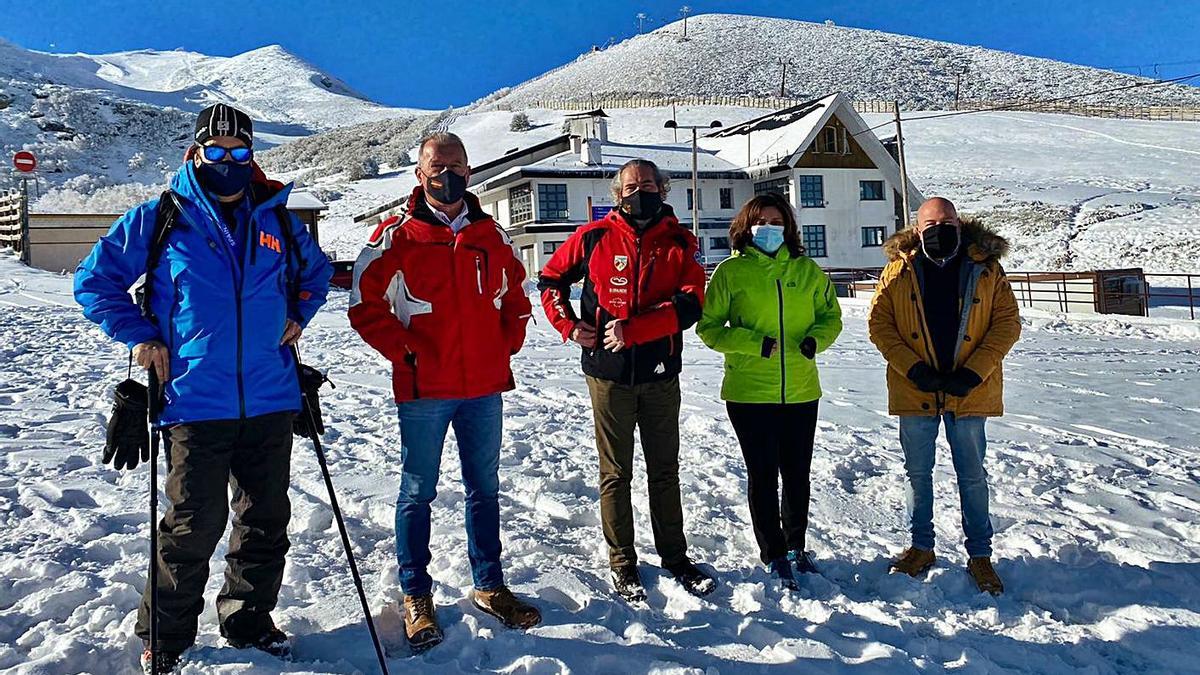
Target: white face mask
[767, 237]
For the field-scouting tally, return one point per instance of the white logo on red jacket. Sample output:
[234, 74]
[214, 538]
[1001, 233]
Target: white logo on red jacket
[620, 262]
[619, 281]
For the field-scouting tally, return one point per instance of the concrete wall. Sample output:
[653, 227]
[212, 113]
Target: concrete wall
[58, 242]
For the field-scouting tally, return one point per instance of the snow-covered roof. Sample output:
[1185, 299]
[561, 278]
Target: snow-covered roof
[772, 138]
[305, 201]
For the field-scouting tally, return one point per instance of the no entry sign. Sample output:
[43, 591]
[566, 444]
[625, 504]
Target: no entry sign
[24, 161]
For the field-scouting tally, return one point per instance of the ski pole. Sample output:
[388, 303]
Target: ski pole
[337, 514]
[152, 407]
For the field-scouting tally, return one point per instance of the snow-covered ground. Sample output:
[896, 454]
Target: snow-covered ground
[1095, 486]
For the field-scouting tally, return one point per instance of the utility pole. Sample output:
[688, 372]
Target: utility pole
[672, 124]
[783, 81]
[958, 84]
[903, 168]
[684, 11]
[641, 19]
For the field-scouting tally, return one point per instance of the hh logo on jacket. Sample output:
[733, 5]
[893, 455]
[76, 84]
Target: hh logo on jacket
[270, 241]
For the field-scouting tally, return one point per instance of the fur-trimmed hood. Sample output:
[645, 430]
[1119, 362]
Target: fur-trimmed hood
[983, 244]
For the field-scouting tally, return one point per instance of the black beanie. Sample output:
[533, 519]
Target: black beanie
[223, 120]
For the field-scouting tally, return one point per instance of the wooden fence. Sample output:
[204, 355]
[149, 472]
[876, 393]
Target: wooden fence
[12, 221]
[1165, 113]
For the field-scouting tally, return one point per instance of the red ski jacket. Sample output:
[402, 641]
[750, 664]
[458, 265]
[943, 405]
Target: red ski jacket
[650, 279]
[447, 310]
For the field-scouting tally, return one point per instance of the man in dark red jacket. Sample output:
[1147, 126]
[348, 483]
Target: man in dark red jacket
[440, 293]
[642, 287]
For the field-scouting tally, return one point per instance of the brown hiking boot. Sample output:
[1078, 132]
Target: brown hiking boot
[914, 561]
[502, 604]
[420, 625]
[985, 576]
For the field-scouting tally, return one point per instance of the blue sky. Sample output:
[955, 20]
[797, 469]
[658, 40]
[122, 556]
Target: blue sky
[413, 53]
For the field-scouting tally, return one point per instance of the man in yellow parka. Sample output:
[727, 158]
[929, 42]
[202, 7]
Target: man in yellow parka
[944, 316]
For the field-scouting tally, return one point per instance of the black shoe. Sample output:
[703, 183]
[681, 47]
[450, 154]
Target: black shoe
[161, 663]
[803, 562]
[628, 583]
[273, 642]
[692, 578]
[781, 571]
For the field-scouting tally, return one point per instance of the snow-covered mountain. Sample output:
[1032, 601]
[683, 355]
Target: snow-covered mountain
[289, 95]
[727, 54]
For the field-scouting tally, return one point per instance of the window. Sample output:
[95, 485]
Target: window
[827, 142]
[689, 197]
[721, 243]
[873, 236]
[520, 204]
[727, 198]
[552, 201]
[549, 247]
[870, 190]
[814, 241]
[812, 191]
[780, 185]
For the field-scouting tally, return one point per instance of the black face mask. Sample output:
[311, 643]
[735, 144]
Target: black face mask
[447, 187]
[940, 243]
[224, 179]
[642, 205]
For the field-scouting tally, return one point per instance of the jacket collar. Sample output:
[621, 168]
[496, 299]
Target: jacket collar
[983, 244]
[419, 209]
[665, 217]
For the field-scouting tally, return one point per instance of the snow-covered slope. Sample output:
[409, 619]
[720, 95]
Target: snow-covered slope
[734, 54]
[1095, 493]
[289, 95]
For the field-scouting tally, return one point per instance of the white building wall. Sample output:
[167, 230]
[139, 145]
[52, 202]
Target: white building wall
[844, 215]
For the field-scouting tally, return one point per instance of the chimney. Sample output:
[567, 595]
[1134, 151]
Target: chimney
[590, 153]
[602, 129]
[576, 144]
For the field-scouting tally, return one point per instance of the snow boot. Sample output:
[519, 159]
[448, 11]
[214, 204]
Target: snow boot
[272, 642]
[914, 561]
[502, 604]
[781, 571]
[981, 570]
[628, 583]
[166, 662]
[803, 562]
[420, 624]
[692, 578]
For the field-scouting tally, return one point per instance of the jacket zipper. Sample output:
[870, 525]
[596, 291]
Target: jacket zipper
[637, 284]
[782, 351]
[478, 276]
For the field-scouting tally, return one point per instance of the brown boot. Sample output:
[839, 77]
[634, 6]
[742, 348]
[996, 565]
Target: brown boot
[502, 604]
[420, 625]
[914, 561]
[985, 576]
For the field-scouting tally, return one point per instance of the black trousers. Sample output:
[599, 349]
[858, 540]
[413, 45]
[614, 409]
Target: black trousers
[777, 442]
[207, 460]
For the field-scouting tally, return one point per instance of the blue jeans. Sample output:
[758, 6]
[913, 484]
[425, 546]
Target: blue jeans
[423, 426]
[968, 443]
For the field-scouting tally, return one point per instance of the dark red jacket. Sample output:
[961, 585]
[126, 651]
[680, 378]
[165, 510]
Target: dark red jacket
[650, 279]
[447, 310]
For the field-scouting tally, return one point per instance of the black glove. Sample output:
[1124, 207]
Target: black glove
[768, 344]
[808, 347]
[128, 437]
[927, 379]
[961, 382]
[311, 380]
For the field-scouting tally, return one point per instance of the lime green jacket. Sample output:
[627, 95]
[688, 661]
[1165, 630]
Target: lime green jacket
[752, 296]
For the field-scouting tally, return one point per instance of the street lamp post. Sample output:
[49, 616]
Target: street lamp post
[672, 124]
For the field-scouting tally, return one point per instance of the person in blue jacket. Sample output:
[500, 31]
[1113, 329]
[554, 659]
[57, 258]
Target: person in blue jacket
[228, 297]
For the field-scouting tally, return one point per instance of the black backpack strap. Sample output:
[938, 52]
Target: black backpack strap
[291, 250]
[164, 220]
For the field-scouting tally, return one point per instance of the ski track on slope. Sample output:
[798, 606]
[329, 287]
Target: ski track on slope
[1101, 134]
[1096, 506]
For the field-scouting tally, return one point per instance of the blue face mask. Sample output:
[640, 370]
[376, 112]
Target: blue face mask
[767, 238]
[224, 179]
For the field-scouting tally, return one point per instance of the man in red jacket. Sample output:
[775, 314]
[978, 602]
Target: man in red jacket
[439, 292]
[642, 287]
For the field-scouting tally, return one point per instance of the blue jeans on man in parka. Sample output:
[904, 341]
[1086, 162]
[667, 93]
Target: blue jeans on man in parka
[968, 444]
[477, 426]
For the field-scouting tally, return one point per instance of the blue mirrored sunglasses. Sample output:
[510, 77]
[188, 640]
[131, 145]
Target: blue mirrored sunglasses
[215, 153]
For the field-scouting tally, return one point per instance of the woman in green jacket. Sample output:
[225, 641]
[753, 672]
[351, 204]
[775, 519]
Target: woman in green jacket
[770, 309]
